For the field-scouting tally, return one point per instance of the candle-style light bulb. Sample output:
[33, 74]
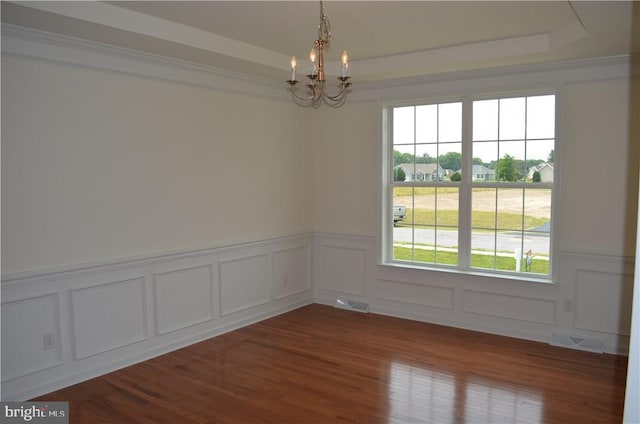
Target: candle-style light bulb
[345, 64]
[312, 58]
[293, 68]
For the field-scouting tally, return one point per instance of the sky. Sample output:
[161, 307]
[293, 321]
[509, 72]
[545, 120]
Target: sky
[504, 126]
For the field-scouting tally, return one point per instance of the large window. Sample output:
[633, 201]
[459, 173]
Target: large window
[470, 184]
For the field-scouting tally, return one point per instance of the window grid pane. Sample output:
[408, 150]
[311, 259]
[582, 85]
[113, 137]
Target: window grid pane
[510, 181]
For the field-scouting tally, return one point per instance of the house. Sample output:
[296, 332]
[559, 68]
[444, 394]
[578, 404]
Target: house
[545, 169]
[482, 173]
[422, 171]
[160, 187]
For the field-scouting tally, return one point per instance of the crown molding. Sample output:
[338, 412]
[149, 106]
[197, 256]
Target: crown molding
[118, 18]
[28, 43]
[33, 44]
[500, 78]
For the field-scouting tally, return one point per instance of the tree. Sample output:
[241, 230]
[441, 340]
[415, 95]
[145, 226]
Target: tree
[399, 158]
[456, 176]
[506, 170]
[550, 158]
[399, 174]
[425, 158]
[536, 176]
[450, 160]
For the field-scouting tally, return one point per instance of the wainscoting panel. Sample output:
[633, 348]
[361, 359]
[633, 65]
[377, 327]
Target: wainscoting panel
[182, 298]
[511, 307]
[70, 324]
[30, 336]
[416, 294]
[597, 296]
[598, 293]
[590, 297]
[108, 316]
[244, 283]
[343, 269]
[291, 271]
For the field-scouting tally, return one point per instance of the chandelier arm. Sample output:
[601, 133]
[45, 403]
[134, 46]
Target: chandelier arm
[335, 105]
[304, 99]
[334, 102]
[314, 99]
[341, 95]
[301, 103]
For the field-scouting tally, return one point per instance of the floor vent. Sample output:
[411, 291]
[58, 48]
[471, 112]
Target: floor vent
[577, 342]
[351, 305]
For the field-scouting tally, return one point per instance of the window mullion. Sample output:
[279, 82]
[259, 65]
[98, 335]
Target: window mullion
[464, 213]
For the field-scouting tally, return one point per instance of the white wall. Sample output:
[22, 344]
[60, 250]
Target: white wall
[146, 205]
[346, 161]
[100, 165]
[599, 169]
[595, 226]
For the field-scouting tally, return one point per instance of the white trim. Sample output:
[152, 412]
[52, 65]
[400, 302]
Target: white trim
[465, 187]
[507, 78]
[118, 18]
[97, 357]
[28, 43]
[66, 271]
[505, 321]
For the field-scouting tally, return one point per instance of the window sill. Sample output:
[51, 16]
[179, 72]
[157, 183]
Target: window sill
[503, 277]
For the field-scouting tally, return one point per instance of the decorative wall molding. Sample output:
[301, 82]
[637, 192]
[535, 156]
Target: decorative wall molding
[344, 269]
[416, 294]
[182, 298]
[504, 306]
[35, 314]
[80, 269]
[540, 76]
[33, 44]
[106, 317]
[273, 276]
[243, 283]
[519, 308]
[291, 271]
[28, 43]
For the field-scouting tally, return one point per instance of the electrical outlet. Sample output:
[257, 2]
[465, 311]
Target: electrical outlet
[49, 341]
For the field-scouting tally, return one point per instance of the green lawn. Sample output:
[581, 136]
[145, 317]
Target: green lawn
[504, 263]
[479, 219]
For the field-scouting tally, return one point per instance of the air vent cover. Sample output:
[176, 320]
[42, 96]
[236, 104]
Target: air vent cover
[352, 305]
[589, 344]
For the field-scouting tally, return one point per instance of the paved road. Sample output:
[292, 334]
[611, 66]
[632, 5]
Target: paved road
[505, 241]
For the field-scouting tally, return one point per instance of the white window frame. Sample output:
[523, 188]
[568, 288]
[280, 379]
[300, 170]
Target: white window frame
[465, 186]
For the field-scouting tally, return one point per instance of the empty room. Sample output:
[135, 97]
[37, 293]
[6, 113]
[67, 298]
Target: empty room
[319, 212]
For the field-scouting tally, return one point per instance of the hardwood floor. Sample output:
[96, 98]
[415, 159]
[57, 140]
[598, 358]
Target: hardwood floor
[318, 364]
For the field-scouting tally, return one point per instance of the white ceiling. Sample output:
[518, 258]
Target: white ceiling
[385, 39]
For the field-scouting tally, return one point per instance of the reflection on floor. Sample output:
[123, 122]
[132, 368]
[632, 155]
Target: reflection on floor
[419, 395]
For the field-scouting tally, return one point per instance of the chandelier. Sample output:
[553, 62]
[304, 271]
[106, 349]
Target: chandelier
[317, 89]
